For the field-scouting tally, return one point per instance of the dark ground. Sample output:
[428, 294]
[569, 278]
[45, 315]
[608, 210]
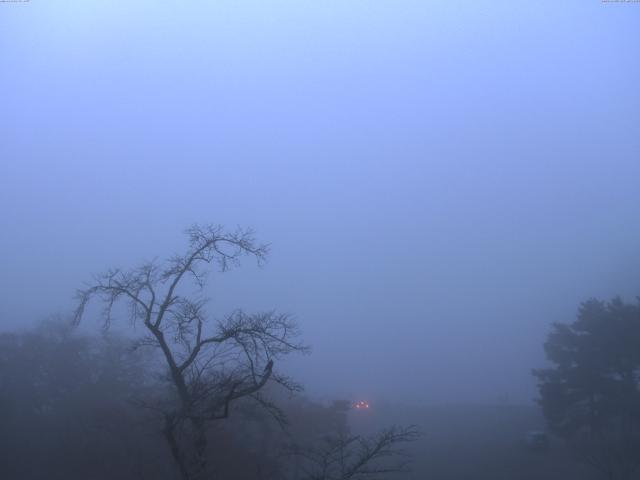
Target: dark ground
[474, 442]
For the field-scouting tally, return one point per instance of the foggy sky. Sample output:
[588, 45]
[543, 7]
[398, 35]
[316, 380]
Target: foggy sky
[439, 180]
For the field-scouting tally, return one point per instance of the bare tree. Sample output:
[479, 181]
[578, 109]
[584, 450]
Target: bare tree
[211, 364]
[344, 456]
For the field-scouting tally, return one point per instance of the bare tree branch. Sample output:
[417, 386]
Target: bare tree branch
[343, 456]
[210, 363]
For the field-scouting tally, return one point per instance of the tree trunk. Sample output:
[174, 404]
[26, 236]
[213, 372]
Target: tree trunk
[200, 467]
[176, 452]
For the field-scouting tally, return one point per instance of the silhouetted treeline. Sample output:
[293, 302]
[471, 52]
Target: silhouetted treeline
[71, 407]
[68, 408]
[79, 407]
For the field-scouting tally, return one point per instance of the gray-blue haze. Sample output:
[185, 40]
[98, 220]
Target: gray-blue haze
[439, 180]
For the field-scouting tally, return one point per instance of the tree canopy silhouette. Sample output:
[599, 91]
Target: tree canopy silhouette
[591, 396]
[211, 363]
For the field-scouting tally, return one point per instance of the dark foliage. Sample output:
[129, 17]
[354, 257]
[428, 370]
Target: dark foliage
[68, 408]
[73, 407]
[591, 395]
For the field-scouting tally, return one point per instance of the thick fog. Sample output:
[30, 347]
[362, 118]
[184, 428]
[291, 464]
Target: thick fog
[439, 181]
